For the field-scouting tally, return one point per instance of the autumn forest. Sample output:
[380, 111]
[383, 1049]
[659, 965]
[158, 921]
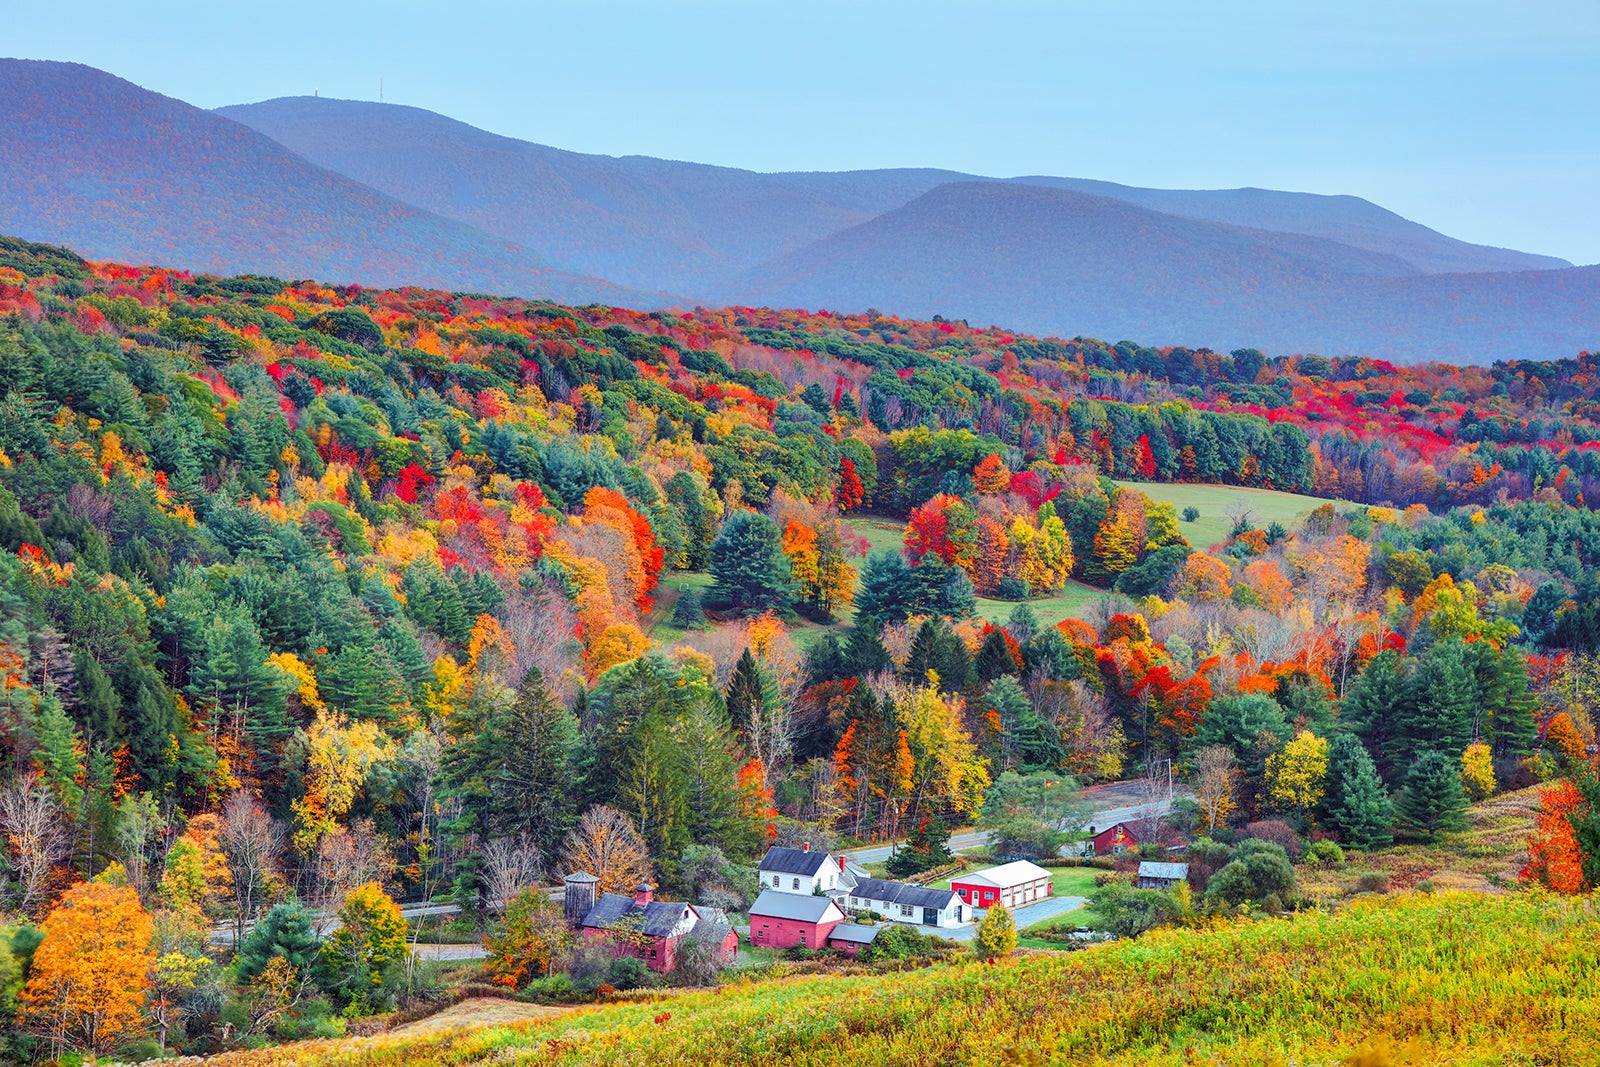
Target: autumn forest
[329, 613]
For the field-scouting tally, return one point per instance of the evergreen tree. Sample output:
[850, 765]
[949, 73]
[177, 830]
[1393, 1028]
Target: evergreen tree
[710, 765]
[889, 591]
[747, 691]
[99, 710]
[1371, 708]
[1507, 707]
[1433, 800]
[863, 651]
[1022, 624]
[535, 786]
[1356, 804]
[687, 613]
[1441, 698]
[286, 930]
[652, 790]
[994, 658]
[1028, 740]
[747, 561]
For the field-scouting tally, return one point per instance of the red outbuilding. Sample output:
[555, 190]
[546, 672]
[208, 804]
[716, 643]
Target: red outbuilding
[1115, 839]
[784, 920]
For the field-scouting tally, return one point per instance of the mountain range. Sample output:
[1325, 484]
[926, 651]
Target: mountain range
[381, 194]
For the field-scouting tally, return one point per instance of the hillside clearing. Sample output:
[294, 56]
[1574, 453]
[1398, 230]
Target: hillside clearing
[1216, 502]
[476, 1012]
[1462, 978]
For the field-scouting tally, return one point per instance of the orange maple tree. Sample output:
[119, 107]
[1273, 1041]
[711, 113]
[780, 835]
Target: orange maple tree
[90, 972]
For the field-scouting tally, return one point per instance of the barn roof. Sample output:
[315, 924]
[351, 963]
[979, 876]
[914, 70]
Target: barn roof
[915, 896]
[793, 906]
[854, 933]
[1021, 872]
[659, 918]
[782, 860]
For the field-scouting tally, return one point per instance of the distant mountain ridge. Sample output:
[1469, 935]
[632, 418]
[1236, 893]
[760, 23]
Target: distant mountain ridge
[119, 172]
[1070, 263]
[648, 221]
[386, 195]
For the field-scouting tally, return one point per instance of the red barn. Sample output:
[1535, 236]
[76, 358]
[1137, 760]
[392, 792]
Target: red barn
[1115, 839]
[641, 926]
[784, 920]
[1012, 884]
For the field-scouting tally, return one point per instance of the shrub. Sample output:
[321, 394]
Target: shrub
[1425, 886]
[1128, 912]
[1259, 869]
[1324, 854]
[1191, 513]
[1373, 882]
[1011, 588]
[1278, 832]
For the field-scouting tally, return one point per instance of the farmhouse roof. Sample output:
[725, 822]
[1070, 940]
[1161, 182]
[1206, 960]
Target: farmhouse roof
[915, 896]
[794, 860]
[659, 918]
[854, 932]
[792, 906]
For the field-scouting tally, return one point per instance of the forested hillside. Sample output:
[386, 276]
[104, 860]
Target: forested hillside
[315, 597]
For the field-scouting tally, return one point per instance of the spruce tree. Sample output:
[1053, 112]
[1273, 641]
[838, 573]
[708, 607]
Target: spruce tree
[747, 691]
[1433, 800]
[99, 709]
[1507, 703]
[1022, 624]
[994, 658]
[747, 561]
[1441, 698]
[1356, 804]
[1370, 707]
[687, 613]
[535, 787]
[889, 590]
[863, 651]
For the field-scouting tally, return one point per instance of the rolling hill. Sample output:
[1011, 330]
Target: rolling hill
[1065, 262]
[119, 172]
[653, 222]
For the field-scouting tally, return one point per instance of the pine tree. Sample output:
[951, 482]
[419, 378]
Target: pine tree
[1507, 700]
[709, 753]
[99, 710]
[1356, 804]
[1441, 698]
[1433, 800]
[747, 561]
[994, 658]
[687, 613]
[889, 590]
[747, 691]
[863, 651]
[535, 785]
[1371, 707]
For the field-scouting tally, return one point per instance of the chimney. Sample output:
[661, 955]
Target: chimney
[805, 846]
[842, 862]
[644, 893]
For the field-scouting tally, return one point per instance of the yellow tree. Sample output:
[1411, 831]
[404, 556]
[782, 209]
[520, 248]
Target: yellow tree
[1203, 578]
[339, 756]
[606, 845]
[946, 762]
[1296, 774]
[90, 973]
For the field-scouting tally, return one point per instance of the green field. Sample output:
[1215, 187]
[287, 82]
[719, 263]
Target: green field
[1070, 603]
[1216, 501]
[1468, 979]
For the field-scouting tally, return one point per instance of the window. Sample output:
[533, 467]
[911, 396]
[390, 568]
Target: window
[775, 881]
[905, 911]
[797, 883]
[802, 937]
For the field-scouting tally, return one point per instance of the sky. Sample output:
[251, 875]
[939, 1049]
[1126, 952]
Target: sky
[1480, 119]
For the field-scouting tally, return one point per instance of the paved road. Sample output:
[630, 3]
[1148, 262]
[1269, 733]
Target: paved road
[450, 952]
[1026, 916]
[971, 839]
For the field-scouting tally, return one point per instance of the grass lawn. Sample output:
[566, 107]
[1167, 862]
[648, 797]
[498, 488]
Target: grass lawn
[1266, 505]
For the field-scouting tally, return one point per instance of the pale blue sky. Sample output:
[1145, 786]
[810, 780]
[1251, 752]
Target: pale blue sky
[1480, 119]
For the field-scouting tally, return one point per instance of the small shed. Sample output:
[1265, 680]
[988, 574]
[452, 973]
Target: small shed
[851, 938]
[1162, 875]
[1114, 839]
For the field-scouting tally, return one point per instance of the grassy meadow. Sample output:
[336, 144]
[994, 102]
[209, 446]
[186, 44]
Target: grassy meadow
[1215, 502]
[1451, 978]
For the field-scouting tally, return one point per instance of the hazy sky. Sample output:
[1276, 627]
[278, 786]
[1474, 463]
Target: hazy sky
[1481, 119]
